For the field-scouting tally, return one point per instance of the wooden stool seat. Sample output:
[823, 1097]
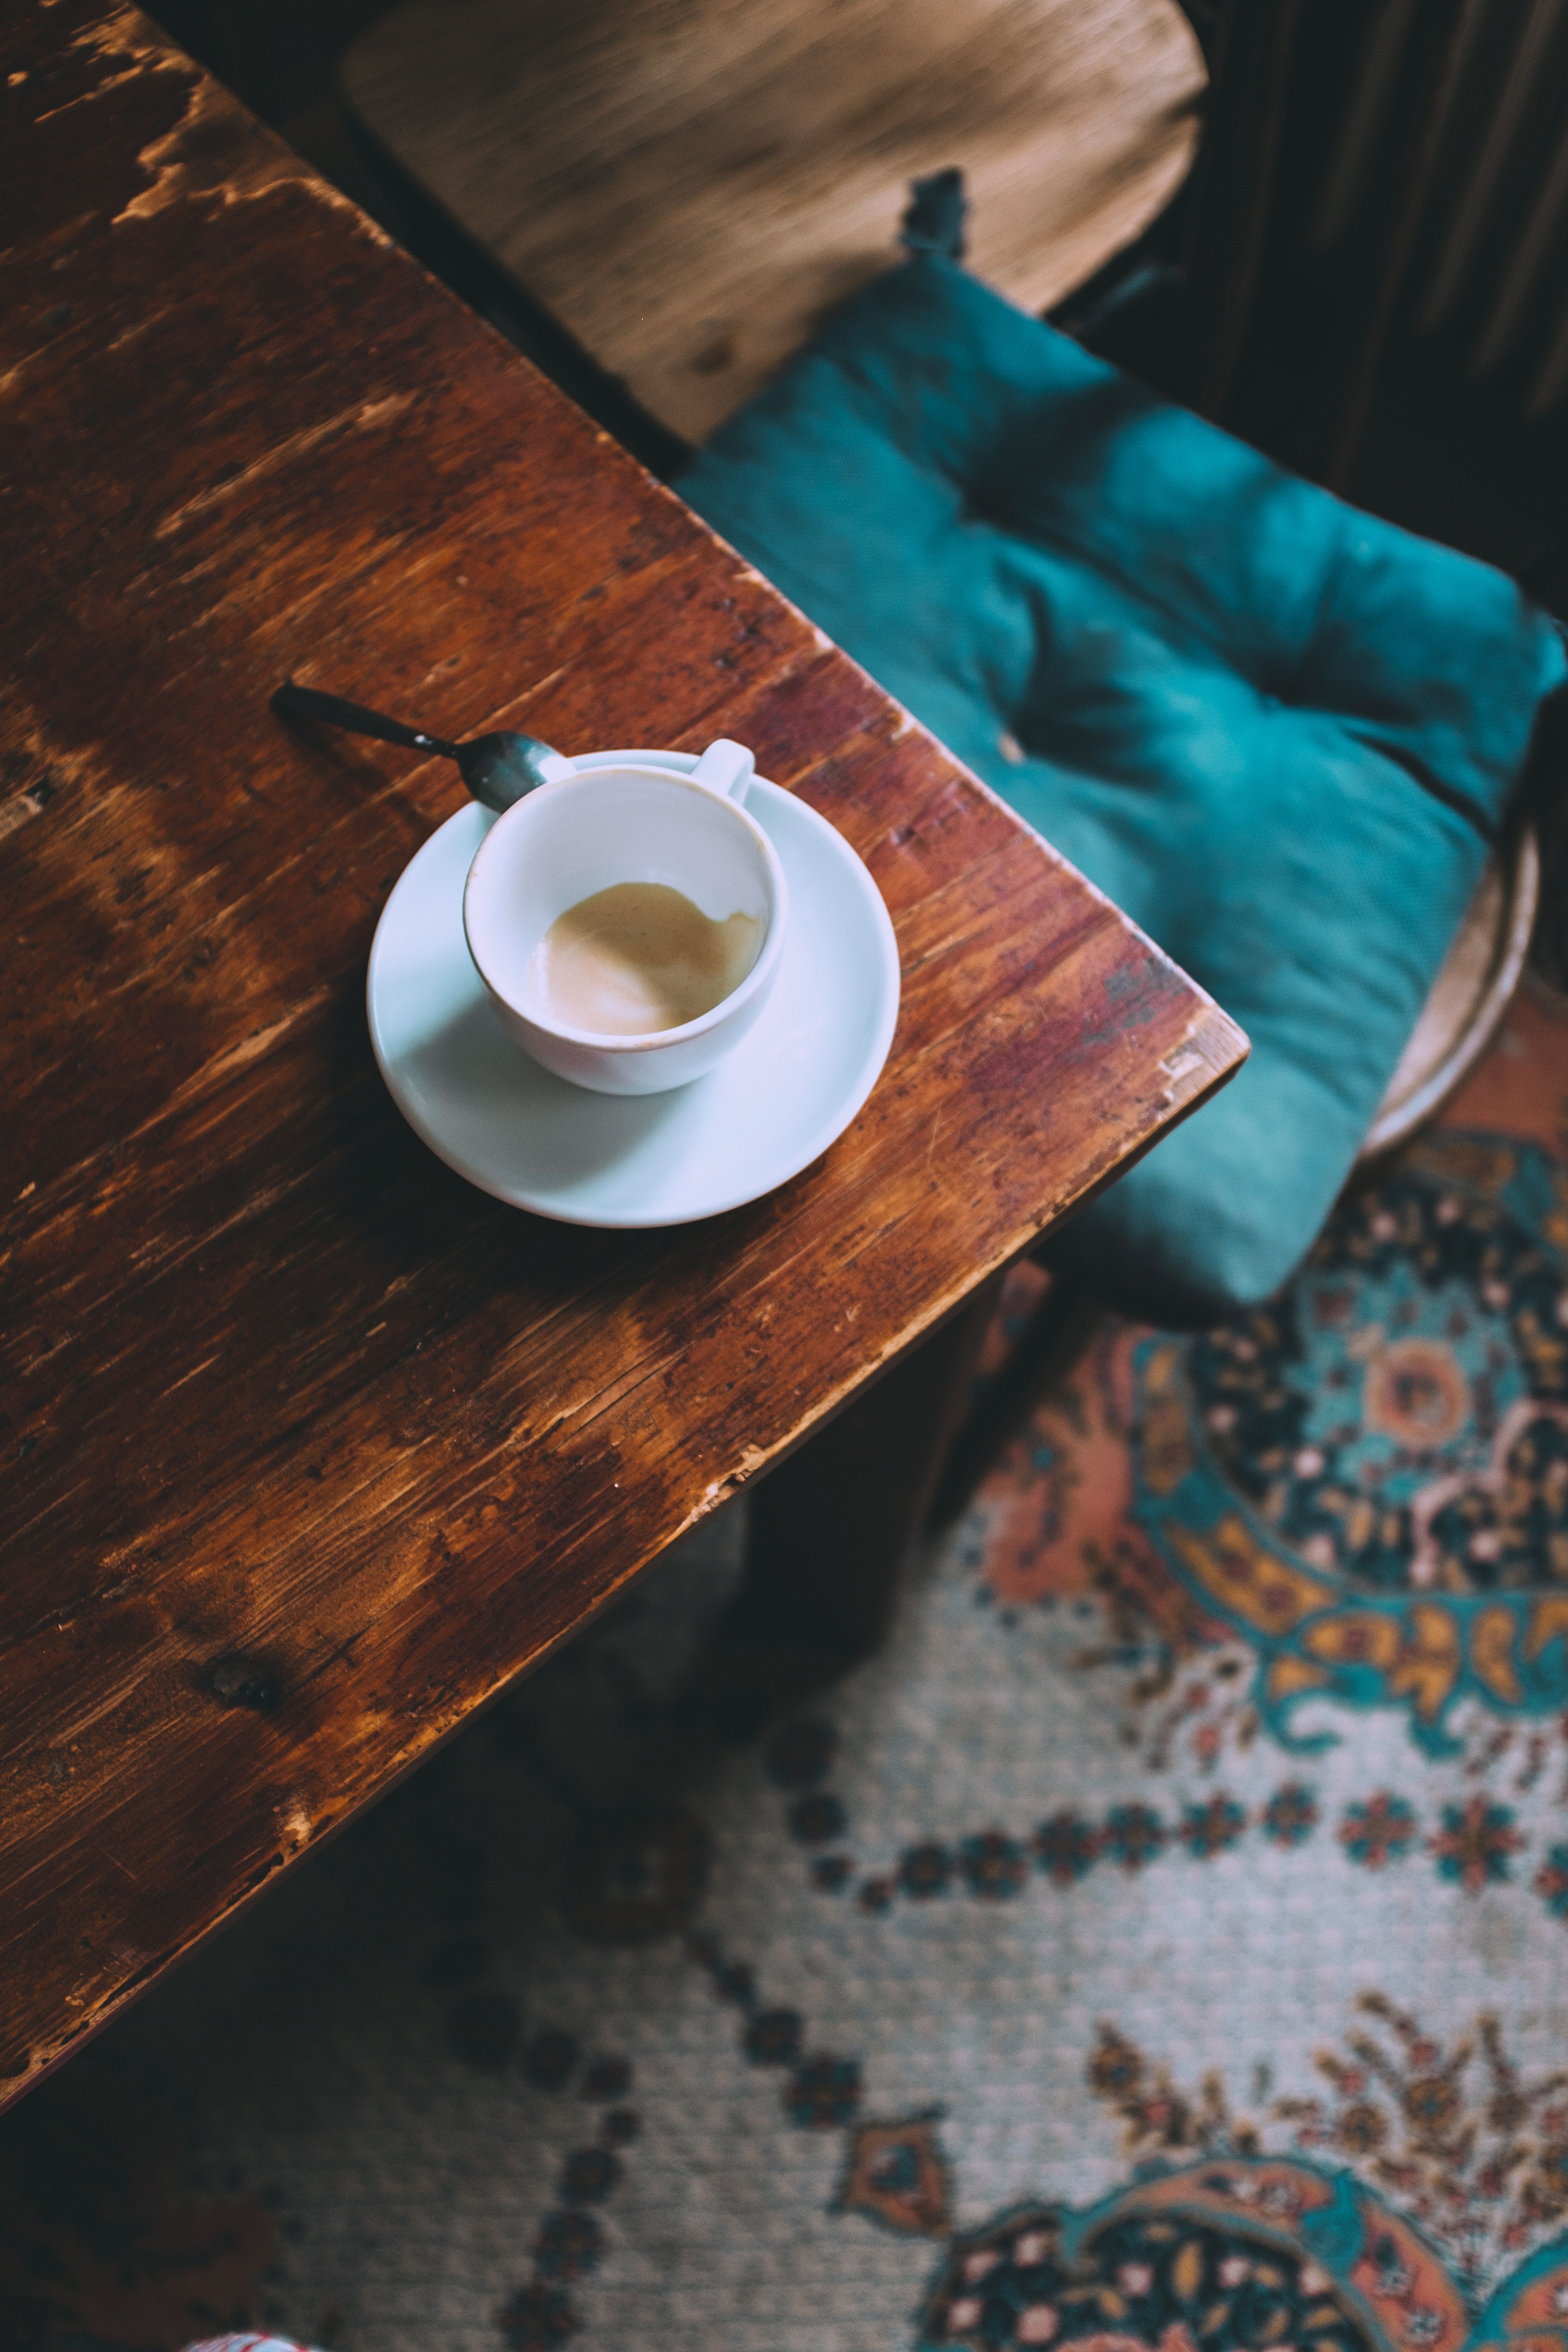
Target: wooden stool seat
[688, 189]
[1469, 996]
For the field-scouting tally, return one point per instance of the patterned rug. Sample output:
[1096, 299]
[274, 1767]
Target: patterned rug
[1161, 1946]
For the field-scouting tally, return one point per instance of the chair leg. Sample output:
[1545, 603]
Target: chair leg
[1054, 1338]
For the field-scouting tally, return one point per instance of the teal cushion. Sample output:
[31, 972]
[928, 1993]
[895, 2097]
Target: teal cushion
[1277, 732]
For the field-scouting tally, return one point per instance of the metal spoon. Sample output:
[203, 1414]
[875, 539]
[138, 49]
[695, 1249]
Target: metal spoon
[497, 769]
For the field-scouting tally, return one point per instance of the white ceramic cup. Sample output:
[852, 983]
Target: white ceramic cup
[621, 821]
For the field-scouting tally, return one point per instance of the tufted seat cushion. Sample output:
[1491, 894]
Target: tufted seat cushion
[1277, 732]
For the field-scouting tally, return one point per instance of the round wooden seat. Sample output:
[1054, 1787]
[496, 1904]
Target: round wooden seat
[1469, 998]
[688, 189]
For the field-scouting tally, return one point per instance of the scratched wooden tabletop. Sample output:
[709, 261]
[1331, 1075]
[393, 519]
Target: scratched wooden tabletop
[308, 1448]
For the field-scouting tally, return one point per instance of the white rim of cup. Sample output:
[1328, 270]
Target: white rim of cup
[642, 1041]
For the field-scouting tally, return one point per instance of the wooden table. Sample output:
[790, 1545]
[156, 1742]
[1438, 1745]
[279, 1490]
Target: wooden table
[309, 1448]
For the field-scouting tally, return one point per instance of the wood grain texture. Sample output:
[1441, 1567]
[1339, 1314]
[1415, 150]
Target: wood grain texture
[688, 188]
[308, 1448]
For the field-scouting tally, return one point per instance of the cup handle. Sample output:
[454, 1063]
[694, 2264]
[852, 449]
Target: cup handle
[725, 768]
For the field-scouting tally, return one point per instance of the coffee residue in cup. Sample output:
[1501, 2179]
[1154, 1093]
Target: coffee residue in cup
[636, 958]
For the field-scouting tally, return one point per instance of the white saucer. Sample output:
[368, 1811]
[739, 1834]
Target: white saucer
[766, 1112]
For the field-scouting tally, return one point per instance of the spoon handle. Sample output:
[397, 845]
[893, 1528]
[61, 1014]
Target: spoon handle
[292, 702]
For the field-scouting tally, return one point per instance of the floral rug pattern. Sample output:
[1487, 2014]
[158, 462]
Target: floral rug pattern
[1161, 1946]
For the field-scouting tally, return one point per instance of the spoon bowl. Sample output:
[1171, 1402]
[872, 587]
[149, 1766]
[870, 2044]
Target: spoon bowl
[499, 769]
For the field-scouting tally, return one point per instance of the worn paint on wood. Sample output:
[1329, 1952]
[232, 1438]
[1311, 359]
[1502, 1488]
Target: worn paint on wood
[308, 1448]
